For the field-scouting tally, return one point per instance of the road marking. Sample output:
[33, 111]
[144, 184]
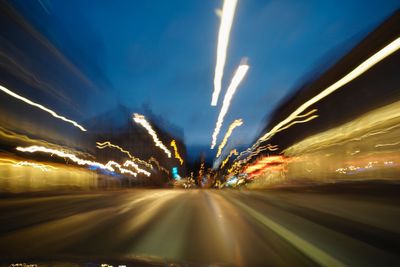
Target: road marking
[311, 251]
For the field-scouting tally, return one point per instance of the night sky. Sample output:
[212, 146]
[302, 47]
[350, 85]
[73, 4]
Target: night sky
[162, 53]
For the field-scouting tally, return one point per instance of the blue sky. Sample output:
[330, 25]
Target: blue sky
[162, 53]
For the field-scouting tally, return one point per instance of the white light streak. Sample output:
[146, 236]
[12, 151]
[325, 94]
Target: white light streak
[140, 119]
[129, 163]
[26, 100]
[122, 170]
[239, 75]
[109, 166]
[228, 12]
[72, 157]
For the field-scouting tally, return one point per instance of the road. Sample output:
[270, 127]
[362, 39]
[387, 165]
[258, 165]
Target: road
[244, 228]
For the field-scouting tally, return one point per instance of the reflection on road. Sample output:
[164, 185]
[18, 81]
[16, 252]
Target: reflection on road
[204, 226]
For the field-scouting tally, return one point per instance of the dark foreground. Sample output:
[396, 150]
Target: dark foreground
[202, 227]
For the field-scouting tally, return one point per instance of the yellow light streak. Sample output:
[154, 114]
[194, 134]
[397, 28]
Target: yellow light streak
[105, 144]
[258, 151]
[177, 156]
[275, 147]
[254, 153]
[42, 167]
[263, 148]
[379, 122]
[234, 168]
[54, 114]
[237, 78]
[233, 152]
[109, 144]
[140, 119]
[360, 69]
[388, 144]
[228, 12]
[6, 162]
[297, 122]
[307, 114]
[228, 133]
[16, 163]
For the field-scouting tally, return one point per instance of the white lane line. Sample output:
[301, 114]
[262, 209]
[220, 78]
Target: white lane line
[311, 251]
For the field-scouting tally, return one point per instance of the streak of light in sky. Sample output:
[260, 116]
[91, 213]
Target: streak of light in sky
[228, 12]
[237, 78]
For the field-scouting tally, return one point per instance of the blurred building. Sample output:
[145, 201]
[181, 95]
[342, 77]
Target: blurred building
[377, 87]
[117, 127]
[349, 134]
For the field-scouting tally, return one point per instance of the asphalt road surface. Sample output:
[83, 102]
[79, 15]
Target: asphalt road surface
[202, 227]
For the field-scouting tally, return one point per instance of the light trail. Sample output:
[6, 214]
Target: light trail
[129, 163]
[388, 144]
[8, 135]
[15, 163]
[253, 153]
[258, 151]
[239, 75]
[233, 152]
[152, 159]
[297, 122]
[109, 144]
[360, 69]
[228, 133]
[228, 12]
[72, 157]
[140, 119]
[356, 72]
[122, 170]
[307, 114]
[61, 154]
[54, 114]
[6, 161]
[42, 167]
[367, 128]
[105, 144]
[177, 156]
[234, 168]
[268, 162]
[263, 148]
[275, 147]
